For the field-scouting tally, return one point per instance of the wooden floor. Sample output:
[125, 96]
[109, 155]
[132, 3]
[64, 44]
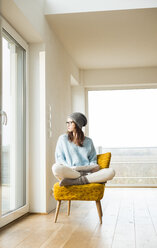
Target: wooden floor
[129, 221]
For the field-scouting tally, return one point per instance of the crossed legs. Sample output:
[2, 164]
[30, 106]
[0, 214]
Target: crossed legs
[68, 176]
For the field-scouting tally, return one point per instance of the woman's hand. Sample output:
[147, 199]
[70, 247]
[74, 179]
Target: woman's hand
[97, 168]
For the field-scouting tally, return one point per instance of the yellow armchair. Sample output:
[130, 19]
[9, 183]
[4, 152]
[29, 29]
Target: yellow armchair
[87, 192]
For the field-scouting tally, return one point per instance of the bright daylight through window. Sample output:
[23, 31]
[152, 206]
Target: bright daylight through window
[123, 118]
[13, 169]
[124, 123]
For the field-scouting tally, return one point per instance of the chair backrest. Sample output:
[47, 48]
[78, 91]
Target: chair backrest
[103, 160]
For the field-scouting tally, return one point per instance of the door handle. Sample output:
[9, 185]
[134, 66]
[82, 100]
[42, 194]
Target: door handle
[3, 116]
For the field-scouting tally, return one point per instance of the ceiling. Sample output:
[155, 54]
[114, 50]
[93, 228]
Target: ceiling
[108, 39]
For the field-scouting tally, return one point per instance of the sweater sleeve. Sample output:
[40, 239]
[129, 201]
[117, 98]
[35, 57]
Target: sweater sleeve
[92, 156]
[59, 153]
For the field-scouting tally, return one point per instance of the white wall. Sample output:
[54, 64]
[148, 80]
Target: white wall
[70, 6]
[37, 169]
[58, 96]
[120, 78]
[28, 19]
[78, 99]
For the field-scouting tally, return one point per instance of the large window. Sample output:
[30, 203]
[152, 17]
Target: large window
[123, 118]
[124, 122]
[13, 127]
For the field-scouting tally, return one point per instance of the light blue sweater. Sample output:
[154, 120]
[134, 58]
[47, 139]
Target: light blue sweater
[69, 154]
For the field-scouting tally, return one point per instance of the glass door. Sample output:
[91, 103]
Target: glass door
[13, 126]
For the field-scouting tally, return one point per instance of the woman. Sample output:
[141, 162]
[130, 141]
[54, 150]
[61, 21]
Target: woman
[76, 160]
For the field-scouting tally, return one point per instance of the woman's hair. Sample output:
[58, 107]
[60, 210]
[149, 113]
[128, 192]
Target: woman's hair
[79, 134]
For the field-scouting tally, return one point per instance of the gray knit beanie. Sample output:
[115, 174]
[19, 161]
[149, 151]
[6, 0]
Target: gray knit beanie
[79, 119]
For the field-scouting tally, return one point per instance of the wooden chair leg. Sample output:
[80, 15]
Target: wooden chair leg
[69, 204]
[98, 204]
[101, 209]
[57, 210]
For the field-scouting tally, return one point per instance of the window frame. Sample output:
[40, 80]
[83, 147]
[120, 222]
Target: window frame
[25, 209]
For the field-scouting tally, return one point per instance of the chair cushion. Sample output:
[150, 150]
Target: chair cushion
[87, 192]
[103, 160]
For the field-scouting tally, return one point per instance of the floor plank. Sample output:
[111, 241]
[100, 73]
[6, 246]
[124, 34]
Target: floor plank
[124, 232]
[146, 235]
[129, 220]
